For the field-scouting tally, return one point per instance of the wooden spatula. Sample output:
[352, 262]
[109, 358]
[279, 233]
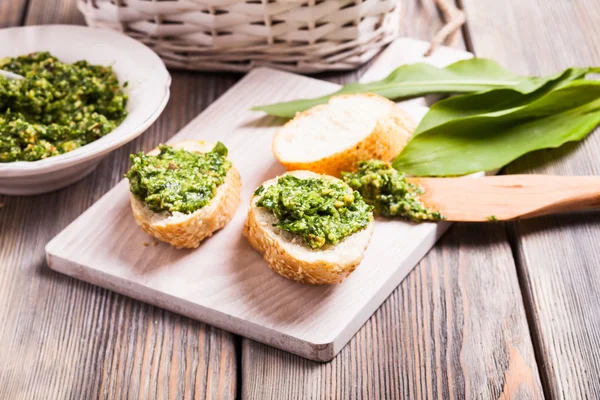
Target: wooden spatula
[506, 197]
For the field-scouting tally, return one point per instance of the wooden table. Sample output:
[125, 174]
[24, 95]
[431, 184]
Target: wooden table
[494, 310]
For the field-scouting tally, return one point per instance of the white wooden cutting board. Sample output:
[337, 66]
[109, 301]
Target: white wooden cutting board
[225, 282]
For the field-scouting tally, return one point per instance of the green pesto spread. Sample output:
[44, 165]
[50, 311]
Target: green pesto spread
[321, 211]
[177, 180]
[57, 107]
[389, 192]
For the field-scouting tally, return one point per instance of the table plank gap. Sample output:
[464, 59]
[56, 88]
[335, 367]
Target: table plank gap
[109, 345]
[557, 255]
[465, 29]
[527, 295]
[41, 12]
[13, 12]
[516, 252]
[425, 339]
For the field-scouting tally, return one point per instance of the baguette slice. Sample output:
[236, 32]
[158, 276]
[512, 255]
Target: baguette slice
[288, 254]
[188, 230]
[334, 137]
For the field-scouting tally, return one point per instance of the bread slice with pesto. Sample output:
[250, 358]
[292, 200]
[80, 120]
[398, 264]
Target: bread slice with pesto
[335, 137]
[188, 229]
[290, 255]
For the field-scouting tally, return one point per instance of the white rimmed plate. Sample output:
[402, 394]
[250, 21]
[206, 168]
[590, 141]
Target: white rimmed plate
[148, 91]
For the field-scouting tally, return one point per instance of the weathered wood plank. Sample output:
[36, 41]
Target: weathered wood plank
[455, 328]
[62, 338]
[11, 12]
[558, 255]
[42, 12]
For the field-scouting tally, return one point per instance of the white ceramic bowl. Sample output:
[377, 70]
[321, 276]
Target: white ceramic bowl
[148, 92]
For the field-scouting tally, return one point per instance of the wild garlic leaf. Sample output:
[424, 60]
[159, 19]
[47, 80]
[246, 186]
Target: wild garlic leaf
[414, 80]
[491, 140]
[498, 101]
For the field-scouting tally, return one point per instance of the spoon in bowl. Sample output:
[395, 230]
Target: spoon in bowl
[10, 75]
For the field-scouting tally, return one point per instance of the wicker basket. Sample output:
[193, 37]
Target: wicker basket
[235, 35]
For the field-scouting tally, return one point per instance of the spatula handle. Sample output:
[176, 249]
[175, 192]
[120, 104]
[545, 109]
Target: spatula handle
[508, 197]
[566, 193]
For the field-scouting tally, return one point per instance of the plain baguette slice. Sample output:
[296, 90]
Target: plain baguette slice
[288, 254]
[335, 137]
[188, 230]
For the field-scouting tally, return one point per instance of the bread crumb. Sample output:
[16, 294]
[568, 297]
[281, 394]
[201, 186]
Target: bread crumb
[155, 244]
[146, 244]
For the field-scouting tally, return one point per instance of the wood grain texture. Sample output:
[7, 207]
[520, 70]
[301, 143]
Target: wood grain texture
[40, 12]
[66, 339]
[558, 257]
[11, 12]
[455, 328]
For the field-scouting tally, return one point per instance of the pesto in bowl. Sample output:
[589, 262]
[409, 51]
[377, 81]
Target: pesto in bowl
[178, 180]
[321, 211]
[57, 107]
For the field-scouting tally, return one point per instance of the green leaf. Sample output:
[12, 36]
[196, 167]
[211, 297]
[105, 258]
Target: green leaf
[498, 101]
[492, 139]
[221, 149]
[414, 80]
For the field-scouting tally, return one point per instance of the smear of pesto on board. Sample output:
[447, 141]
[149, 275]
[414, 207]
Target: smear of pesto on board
[177, 180]
[320, 211]
[57, 107]
[389, 192]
